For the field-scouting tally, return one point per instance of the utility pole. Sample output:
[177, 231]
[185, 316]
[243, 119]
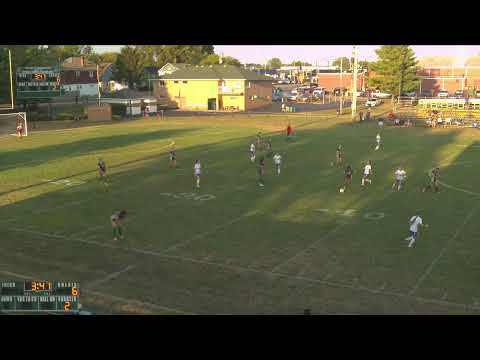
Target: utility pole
[11, 77]
[354, 84]
[341, 83]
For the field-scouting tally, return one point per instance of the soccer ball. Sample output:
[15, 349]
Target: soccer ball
[342, 190]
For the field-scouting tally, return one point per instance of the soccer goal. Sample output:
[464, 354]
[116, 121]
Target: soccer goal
[14, 124]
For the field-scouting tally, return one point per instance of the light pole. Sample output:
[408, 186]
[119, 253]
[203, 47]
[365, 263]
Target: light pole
[341, 83]
[354, 84]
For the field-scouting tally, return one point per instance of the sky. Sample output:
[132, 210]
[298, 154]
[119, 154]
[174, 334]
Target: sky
[321, 54]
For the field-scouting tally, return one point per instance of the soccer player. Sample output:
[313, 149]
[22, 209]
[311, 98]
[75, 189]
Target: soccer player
[434, 174]
[348, 177]
[415, 221]
[19, 129]
[269, 147]
[252, 152]
[289, 131]
[102, 168]
[339, 155]
[116, 220]
[367, 171]
[173, 158]
[277, 159]
[400, 176]
[197, 170]
[378, 142]
[261, 172]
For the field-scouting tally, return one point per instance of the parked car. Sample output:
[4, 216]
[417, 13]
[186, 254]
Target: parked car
[283, 81]
[459, 94]
[303, 98]
[277, 96]
[381, 95]
[292, 97]
[318, 92]
[442, 94]
[425, 94]
[373, 102]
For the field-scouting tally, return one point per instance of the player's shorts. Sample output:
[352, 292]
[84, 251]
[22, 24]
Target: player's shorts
[173, 158]
[413, 234]
[197, 173]
[366, 176]
[348, 177]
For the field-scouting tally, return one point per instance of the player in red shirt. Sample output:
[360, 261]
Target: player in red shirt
[289, 131]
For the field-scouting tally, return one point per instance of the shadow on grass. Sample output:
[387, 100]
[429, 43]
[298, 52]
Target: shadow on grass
[282, 230]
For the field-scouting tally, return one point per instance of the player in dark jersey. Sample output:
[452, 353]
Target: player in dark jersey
[102, 168]
[434, 175]
[261, 172]
[173, 158]
[339, 155]
[348, 177]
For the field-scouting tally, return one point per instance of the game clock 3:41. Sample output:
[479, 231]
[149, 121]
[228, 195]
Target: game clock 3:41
[35, 286]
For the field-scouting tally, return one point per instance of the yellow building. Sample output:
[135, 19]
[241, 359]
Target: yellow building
[215, 87]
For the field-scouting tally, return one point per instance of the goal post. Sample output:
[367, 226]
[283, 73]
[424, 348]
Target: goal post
[10, 121]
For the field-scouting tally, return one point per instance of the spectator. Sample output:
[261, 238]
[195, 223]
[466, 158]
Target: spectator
[360, 115]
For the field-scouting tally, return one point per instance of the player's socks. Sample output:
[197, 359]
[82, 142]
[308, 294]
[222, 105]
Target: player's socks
[408, 238]
[411, 242]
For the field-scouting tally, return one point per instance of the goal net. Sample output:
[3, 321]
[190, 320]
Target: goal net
[14, 124]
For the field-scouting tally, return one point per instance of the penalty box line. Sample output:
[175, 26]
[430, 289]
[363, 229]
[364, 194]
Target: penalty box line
[268, 273]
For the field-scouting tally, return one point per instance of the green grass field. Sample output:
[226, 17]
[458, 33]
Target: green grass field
[232, 247]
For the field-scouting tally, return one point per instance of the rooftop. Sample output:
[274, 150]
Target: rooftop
[215, 72]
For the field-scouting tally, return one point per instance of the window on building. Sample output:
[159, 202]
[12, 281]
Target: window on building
[184, 81]
[91, 74]
[249, 85]
[175, 81]
[77, 73]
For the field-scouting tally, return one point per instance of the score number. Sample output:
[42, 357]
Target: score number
[39, 76]
[67, 304]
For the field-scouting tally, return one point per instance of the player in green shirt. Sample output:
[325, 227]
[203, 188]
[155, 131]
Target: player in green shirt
[116, 220]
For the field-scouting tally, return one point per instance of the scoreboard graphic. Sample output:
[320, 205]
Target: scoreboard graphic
[38, 82]
[39, 297]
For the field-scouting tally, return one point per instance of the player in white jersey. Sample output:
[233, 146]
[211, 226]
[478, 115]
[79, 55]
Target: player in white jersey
[415, 222]
[277, 159]
[252, 152]
[197, 170]
[367, 171]
[400, 176]
[378, 142]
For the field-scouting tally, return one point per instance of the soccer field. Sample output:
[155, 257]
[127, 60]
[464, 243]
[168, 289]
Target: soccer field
[232, 247]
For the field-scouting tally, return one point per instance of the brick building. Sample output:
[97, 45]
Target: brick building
[450, 78]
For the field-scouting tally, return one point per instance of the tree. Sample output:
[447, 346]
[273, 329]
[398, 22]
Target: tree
[343, 61]
[130, 65]
[109, 57]
[274, 63]
[212, 59]
[396, 69]
[159, 55]
[229, 60]
[300, 63]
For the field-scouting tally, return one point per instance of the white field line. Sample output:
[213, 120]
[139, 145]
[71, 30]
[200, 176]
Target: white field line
[427, 272]
[266, 273]
[335, 229]
[215, 229]
[107, 296]
[312, 245]
[459, 189]
[110, 277]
